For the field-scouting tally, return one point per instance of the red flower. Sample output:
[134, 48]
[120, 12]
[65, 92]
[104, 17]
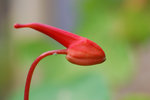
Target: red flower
[80, 50]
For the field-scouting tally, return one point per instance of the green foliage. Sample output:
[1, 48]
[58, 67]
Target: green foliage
[137, 97]
[86, 87]
[99, 28]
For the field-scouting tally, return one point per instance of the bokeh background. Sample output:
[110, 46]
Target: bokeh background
[120, 27]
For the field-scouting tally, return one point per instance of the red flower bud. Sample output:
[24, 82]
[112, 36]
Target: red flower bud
[80, 50]
[85, 52]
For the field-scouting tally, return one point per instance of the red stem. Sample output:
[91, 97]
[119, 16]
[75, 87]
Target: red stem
[31, 70]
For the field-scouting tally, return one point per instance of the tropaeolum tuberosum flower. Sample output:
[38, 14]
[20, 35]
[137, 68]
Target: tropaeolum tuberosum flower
[80, 50]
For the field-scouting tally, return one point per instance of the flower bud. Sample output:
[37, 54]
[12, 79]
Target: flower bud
[85, 52]
[80, 50]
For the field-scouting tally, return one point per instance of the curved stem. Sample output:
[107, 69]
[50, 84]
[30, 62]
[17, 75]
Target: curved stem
[31, 70]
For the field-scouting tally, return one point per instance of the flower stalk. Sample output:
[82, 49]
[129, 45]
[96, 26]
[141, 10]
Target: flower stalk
[31, 70]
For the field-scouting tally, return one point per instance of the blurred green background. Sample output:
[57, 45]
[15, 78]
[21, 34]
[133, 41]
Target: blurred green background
[120, 27]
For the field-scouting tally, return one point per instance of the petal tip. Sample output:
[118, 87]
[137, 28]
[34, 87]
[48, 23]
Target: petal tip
[18, 25]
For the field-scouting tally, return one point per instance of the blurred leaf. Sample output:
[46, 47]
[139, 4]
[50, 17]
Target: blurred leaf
[137, 97]
[87, 87]
[136, 26]
[98, 26]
